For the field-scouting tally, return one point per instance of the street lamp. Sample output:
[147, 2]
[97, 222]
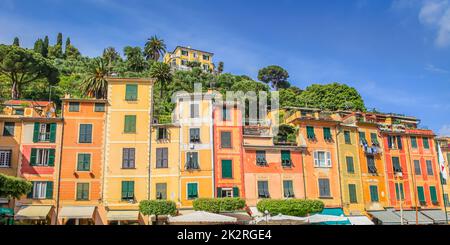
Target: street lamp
[399, 177]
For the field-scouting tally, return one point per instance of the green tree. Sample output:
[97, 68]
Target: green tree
[13, 187]
[333, 96]
[274, 75]
[56, 51]
[157, 207]
[193, 64]
[24, 66]
[16, 42]
[154, 48]
[290, 96]
[46, 45]
[220, 67]
[70, 51]
[161, 72]
[94, 82]
[134, 59]
[110, 55]
[39, 46]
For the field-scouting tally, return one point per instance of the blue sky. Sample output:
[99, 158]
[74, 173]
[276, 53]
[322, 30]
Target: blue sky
[396, 53]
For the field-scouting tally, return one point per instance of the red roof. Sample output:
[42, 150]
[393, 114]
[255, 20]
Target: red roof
[31, 102]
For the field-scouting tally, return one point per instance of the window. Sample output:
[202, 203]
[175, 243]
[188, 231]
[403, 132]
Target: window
[128, 157]
[184, 52]
[446, 200]
[41, 190]
[261, 158]
[362, 138]
[350, 166]
[372, 169]
[19, 112]
[184, 62]
[429, 167]
[192, 160]
[322, 159]
[396, 165]
[85, 133]
[352, 193]
[99, 107]
[395, 142]
[192, 189]
[131, 92]
[347, 138]
[44, 132]
[130, 124]
[426, 143]
[225, 139]
[161, 191]
[5, 158]
[82, 191]
[205, 67]
[374, 139]
[195, 111]
[224, 192]
[8, 129]
[226, 116]
[263, 189]
[194, 54]
[433, 195]
[42, 157]
[286, 159]
[205, 57]
[161, 134]
[327, 134]
[84, 162]
[194, 135]
[421, 195]
[162, 157]
[399, 194]
[288, 189]
[373, 193]
[227, 169]
[417, 169]
[324, 188]
[414, 142]
[310, 132]
[127, 190]
[74, 106]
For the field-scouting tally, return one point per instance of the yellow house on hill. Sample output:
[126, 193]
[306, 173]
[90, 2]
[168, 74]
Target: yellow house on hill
[181, 56]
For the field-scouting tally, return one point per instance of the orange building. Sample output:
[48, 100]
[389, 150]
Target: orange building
[229, 175]
[82, 162]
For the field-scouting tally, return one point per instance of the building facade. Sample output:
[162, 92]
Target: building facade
[181, 57]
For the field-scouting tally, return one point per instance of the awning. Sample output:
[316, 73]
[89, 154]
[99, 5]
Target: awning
[77, 212]
[334, 212]
[437, 215]
[327, 219]
[33, 212]
[387, 217]
[281, 219]
[6, 211]
[123, 215]
[360, 220]
[199, 217]
[410, 217]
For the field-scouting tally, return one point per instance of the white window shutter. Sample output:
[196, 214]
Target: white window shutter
[328, 159]
[316, 159]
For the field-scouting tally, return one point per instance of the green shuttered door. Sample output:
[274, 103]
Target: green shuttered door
[227, 170]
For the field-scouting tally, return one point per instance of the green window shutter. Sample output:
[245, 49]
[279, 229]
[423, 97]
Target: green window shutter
[433, 194]
[235, 191]
[30, 194]
[327, 134]
[36, 132]
[399, 142]
[227, 169]
[225, 139]
[51, 157]
[362, 137]
[374, 193]
[124, 189]
[192, 191]
[374, 139]
[426, 143]
[79, 192]
[421, 195]
[352, 193]
[347, 138]
[285, 155]
[310, 132]
[130, 189]
[219, 192]
[399, 191]
[350, 166]
[49, 191]
[131, 92]
[413, 142]
[130, 124]
[52, 132]
[33, 156]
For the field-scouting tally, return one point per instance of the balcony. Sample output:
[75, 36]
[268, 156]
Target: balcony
[372, 150]
[256, 131]
[288, 140]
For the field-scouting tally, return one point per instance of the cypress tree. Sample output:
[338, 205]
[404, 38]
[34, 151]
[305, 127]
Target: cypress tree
[16, 42]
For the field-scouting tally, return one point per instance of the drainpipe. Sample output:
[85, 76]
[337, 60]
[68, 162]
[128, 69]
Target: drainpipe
[60, 161]
[339, 165]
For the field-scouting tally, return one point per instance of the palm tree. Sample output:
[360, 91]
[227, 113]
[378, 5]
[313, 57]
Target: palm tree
[110, 55]
[95, 84]
[154, 48]
[161, 72]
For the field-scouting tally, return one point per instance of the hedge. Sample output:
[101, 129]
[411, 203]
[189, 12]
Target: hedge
[13, 187]
[217, 205]
[293, 207]
[157, 207]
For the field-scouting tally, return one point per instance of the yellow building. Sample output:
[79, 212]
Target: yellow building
[193, 113]
[181, 56]
[165, 162]
[127, 146]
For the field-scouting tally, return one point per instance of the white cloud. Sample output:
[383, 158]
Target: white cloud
[445, 130]
[434, 69]
[436, 14]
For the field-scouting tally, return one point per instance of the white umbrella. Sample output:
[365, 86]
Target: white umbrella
[280, 218]
[319, 218]
[201, 217]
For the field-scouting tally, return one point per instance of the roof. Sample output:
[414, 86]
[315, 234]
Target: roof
[123, 215]
[33, 103]
[184, 47]
[410, 217]
[202, 217]
[33, 212]
[84, 100]
[386, 217]
[437, 215]
[130, 79]
[77, 212]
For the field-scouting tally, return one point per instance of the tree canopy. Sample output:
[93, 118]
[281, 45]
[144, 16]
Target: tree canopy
[13, 187]
[274, 75]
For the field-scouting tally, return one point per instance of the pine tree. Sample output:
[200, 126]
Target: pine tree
[16, 42]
